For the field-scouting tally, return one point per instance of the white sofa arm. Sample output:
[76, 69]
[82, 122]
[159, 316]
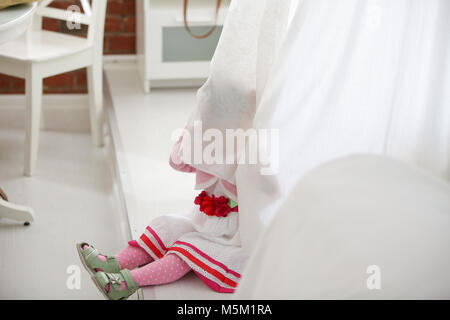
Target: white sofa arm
[361, 227]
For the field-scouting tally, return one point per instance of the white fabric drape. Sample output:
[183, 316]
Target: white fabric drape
[359, 227]
[352, 76]
[248, 46]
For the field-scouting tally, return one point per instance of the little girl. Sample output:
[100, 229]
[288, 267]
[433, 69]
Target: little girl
[208, 239]
[207, 242]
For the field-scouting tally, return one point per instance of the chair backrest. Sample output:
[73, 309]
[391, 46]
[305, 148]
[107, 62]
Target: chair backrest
[93, 16]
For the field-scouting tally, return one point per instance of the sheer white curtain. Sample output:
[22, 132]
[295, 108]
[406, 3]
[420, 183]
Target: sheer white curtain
[352, 76]
[239, 69]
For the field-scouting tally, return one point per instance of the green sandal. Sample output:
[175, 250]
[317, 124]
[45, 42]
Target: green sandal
[101, 279]
[91, 262]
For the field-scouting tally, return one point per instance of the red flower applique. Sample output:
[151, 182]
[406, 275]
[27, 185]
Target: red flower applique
[213, 206]
[207, 206]
[223, 210]
[199, 198]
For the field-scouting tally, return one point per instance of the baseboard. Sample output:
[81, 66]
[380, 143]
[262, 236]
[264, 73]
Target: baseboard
[121, 172]
[60, 112]
[177, 83]
[120, 167]
[119, 58]
[122, 61]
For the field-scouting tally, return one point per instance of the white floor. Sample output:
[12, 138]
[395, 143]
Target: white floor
[74, 200]
[146, 123]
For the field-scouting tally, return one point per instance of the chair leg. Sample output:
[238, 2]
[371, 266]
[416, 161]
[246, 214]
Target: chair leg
[33, 87]
[95, 86]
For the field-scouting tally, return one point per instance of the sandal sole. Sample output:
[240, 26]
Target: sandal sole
[99, 287]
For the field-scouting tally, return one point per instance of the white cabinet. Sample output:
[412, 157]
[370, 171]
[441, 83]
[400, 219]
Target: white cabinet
[167, 54]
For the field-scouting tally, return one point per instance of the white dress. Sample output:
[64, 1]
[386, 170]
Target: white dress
[210, 245]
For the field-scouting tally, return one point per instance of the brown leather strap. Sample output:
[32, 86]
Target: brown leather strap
[3, 195]
[210, 31]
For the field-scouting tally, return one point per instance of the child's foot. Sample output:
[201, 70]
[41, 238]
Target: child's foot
[115, 286]
[93, 261]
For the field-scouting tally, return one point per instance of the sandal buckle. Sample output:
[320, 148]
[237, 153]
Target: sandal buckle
[114, 278]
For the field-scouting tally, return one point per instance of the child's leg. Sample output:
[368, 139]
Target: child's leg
[165, 270]
[132, 257]
[168, 269]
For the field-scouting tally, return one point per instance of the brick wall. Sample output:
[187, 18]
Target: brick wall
[119, 39]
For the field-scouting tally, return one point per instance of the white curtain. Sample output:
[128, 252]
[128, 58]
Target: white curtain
[247, 48]
[352, 76]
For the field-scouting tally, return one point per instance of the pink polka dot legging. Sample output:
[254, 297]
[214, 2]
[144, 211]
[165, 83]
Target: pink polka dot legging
[146, 272]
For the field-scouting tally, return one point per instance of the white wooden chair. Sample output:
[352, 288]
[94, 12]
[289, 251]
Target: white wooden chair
[39, 54]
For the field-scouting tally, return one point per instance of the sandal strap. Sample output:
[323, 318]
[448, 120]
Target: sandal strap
[90, 253]
[115, 281]
[131, 284]
[90, 256]
[118, 278]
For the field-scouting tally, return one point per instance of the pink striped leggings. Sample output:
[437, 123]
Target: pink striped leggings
[146, 271]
